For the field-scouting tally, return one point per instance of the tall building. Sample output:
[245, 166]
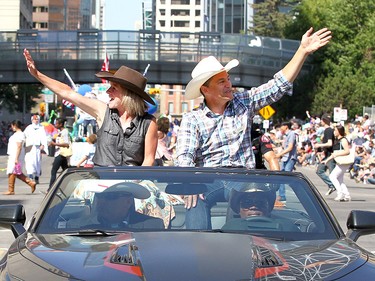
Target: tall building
[64, 14]
[179, 15]
[98, 14]
[227, 16]
[16, 14]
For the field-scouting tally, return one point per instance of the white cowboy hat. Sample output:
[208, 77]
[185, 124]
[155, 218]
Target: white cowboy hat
[203, 71]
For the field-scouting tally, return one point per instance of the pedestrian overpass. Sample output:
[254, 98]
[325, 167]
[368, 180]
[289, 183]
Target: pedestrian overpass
[171, 55]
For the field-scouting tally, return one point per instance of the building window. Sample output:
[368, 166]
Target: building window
[184, 107]
[180, 12]
[162, 23]
[170, 107]
[181, 2]
[197, 24]
[162, 12]
[197, 13]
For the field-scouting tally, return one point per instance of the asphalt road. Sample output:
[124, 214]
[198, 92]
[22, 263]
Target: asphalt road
[363, 198]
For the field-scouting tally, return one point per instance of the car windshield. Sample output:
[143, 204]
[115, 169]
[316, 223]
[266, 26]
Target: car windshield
[126, 199]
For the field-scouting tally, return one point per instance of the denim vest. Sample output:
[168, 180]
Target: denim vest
[115, 147]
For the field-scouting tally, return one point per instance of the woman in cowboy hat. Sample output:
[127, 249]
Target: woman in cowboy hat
[218, 133]
[127, 134]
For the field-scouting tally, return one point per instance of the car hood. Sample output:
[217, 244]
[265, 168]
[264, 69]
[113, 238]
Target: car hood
[179, 256]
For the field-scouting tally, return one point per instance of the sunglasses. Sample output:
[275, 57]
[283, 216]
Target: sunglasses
[250, 202]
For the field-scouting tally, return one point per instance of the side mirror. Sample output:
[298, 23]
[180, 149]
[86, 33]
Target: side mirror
[360, 223]
[13, 217]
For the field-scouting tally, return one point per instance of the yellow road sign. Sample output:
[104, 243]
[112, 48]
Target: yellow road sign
[267, 112]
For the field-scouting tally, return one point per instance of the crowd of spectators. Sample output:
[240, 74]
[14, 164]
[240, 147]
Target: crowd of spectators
[360, 133]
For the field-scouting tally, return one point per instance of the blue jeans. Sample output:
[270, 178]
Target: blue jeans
[287, 166]
[357, 160]
[199, 217]
[321, 171]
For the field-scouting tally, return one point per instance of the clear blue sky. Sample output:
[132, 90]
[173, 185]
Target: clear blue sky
[122, 14]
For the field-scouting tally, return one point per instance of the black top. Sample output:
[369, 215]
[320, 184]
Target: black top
[115, 147]
[328, 135]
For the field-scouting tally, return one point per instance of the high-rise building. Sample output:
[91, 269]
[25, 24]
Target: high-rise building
[98, 14]
[179, 15]
[16, 14]
[227, 16]
[65, 14]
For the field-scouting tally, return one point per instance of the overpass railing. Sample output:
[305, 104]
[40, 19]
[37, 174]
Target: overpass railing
[146, 45]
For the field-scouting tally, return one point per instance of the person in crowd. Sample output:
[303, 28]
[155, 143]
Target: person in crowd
[36, 145]
[370, 177]
[89, 152]
[341, 147]
[263, 150]
[60, 140]
[360, 153]
[324, 149]
[163, 153]
[288, 154]
[114, 208]
[127, 134]
[16, 156]
[366, 123]
[218, 133]
[306, 154]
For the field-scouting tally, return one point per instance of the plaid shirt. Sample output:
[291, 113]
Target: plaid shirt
[219, 140]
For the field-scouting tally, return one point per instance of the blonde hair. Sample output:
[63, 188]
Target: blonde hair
[133, 103]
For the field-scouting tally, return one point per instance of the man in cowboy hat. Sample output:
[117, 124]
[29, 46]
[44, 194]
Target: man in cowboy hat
[218, 133]
[127, 134]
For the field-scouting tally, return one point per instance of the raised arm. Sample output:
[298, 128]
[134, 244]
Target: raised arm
[94, 107]
[310, 43]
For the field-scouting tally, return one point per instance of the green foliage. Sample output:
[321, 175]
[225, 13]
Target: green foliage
[345, 71]
[12, 96]
[271, 18]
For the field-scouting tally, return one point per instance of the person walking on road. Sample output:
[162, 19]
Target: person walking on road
[16, 156]
[288, 154]
[62, 140]
[36, 143]
[341, 147]
[324, 150]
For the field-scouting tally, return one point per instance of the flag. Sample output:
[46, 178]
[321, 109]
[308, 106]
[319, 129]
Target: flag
[105, 67]
[68, 80]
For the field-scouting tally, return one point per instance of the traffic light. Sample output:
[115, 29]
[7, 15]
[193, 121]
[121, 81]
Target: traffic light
[153, 91]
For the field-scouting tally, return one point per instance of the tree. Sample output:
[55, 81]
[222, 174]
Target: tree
[271, 17]
[344, 73]
[12, 96]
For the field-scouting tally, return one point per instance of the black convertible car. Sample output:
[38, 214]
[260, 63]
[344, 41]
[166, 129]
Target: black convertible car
[130, 223]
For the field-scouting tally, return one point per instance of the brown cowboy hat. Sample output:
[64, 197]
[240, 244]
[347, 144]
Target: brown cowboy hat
[131, 79]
